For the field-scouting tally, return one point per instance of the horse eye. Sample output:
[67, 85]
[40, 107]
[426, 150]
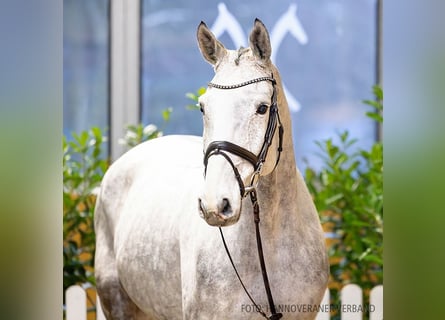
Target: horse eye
[262, 108]
[201, 108]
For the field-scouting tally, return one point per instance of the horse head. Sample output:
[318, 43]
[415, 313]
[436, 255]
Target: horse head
[240, 115]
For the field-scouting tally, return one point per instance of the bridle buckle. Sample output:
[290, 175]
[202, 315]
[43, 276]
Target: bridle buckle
[254, 180]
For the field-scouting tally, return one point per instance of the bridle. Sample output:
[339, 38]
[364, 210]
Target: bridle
[223, 148]
[257, 161]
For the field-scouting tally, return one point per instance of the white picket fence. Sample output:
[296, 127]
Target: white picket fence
[351, 307]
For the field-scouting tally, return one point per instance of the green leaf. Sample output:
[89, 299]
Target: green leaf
[344, 136]
[373, 258]
[133, 128]
[195, 96]
[191, 96]
[334, 198]
[96, 132]
[350, 143]
[201, 91]
[377, 117]
[83, 139]
[192, 107]
[373, 103]
[378, 92]
[166, 114]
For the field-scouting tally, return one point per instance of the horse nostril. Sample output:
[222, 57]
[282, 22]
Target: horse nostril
[226, 207]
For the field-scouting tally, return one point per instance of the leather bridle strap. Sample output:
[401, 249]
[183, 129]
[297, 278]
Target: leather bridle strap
[258, 308]
[216, 151]
[256, 216]
[232, 148]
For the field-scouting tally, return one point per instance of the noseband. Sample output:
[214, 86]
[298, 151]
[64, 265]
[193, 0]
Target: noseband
[223, 148]
[257, 161]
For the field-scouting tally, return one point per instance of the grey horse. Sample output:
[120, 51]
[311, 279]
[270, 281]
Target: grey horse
[159, 254]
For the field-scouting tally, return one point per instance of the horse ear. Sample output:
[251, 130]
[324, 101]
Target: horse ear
[259, 41]
[212, 50]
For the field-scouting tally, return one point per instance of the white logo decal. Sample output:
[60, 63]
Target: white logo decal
[288, 22]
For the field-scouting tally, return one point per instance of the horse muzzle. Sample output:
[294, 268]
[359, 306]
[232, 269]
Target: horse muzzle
[220, 215]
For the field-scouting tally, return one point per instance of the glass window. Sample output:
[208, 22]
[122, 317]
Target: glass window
[85, 64]
[324, 49]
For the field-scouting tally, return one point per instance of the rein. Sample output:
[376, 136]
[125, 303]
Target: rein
[257, 161]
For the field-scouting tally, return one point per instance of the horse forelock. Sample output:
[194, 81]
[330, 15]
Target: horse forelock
[240, 65]
[240, 52]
